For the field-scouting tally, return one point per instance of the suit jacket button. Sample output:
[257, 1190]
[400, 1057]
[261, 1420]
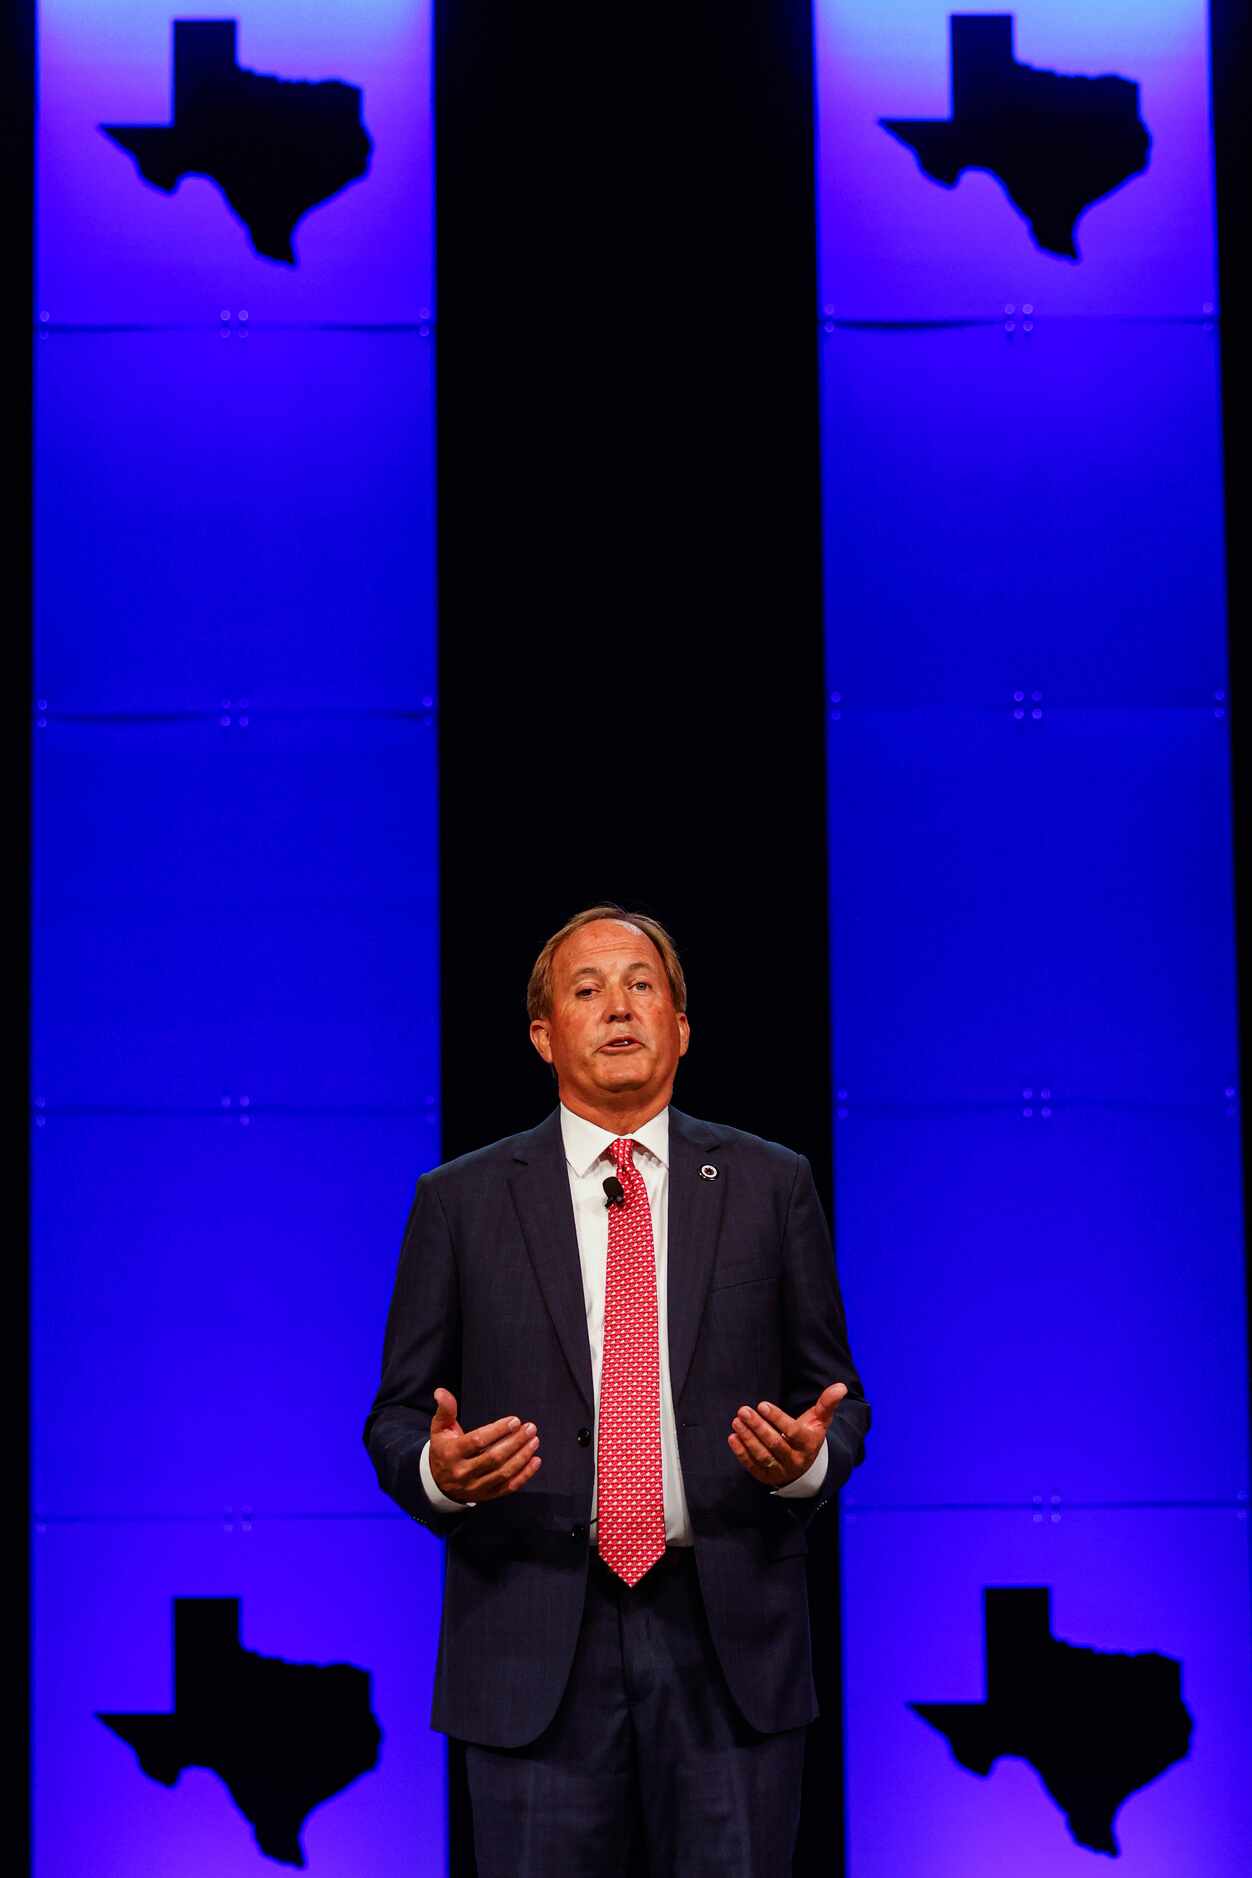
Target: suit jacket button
[583, 1437]
[578, 1532]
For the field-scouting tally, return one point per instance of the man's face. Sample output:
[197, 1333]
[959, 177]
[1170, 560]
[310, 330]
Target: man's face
[612, 1035]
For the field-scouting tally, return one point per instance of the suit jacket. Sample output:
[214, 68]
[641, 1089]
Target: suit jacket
[488, 1302]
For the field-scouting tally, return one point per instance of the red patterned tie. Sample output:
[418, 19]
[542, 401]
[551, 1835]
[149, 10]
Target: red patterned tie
[630, 1497]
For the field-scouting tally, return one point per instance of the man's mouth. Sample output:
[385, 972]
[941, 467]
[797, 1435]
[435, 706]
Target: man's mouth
[617, 1045]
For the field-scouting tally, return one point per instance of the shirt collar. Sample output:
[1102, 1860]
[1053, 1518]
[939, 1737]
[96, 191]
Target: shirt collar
[585, 1143]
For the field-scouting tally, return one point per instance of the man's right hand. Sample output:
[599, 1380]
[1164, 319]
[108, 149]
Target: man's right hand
[485, 1463]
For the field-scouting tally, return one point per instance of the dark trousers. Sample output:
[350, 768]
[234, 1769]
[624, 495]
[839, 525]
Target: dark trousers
[647, 1765]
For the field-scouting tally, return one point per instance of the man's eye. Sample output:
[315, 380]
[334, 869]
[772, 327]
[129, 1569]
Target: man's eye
[584, 991]
[642, 984]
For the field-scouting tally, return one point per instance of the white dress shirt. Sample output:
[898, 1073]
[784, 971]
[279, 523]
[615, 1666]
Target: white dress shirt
[588, 1162]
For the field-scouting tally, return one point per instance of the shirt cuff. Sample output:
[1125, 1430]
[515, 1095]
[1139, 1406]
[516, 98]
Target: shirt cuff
[441, 1500]
[809, 1482]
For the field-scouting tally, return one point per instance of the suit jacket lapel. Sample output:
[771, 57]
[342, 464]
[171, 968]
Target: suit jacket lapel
[540, 1186]
[695, 1213]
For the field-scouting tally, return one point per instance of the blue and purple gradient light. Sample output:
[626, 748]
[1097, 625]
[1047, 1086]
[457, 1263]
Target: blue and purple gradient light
[894, 245]
[111, 247]
[1145, 1580]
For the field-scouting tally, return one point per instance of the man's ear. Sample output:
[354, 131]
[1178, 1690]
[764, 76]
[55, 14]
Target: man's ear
[684, 1032]
[539, 1037]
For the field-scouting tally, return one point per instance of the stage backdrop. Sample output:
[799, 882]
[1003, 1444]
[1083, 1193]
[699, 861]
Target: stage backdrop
[1037, 1149]
[236, 1048]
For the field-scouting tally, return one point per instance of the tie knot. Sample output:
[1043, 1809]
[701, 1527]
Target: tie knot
[623, 1152]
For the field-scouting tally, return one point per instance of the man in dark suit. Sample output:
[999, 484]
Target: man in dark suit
[616, 1380]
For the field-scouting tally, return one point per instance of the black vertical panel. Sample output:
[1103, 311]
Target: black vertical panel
[17, 170]
[631, 687]
[1231, 70]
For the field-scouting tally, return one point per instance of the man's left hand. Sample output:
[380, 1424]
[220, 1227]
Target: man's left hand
[777, 1448]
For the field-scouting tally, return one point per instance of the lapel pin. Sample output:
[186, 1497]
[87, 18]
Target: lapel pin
[707, 1172]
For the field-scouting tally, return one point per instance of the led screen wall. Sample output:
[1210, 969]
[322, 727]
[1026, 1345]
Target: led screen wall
[235, 1030]
[1037, 1161]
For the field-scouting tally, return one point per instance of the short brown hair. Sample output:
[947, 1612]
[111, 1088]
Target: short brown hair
[539, 989]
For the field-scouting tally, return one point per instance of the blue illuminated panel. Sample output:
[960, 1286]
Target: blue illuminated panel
[1024, 511]
[114, 247]
[260, 900]
[354, 1591]
[1036, 1049]
[1033, 903]
[217, 1285]
[1046, 1305]
[1170, 1582]
[235, 955]
[897, 245]
[248, 516]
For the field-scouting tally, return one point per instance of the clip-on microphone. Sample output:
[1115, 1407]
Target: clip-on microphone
[614, 1192]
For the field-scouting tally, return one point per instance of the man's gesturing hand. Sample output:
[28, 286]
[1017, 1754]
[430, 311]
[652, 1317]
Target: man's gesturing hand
[485, 1463]
[777, 1448]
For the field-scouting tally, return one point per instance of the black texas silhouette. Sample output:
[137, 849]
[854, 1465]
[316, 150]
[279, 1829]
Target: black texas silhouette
[1096, 1726]
[283, 1737]
[275, 147]
[1056, 143]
